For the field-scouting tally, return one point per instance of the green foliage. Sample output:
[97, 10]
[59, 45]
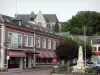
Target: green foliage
[69, 49]
[70, 68]
[56, 65]
[89, 19]
[56, 27]
[64, 27]
[88, 69]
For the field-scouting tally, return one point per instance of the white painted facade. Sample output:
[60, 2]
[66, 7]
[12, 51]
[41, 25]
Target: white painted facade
[96, 49]
[95, 45]
[40, 19]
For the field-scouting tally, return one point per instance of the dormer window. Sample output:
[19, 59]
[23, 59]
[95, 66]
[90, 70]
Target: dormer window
[31, 19]
[48, 26]
[27, 25]
[40, 23]
[7, 20]
[35, 28]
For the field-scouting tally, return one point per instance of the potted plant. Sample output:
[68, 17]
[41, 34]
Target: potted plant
[88, 69]
[70, 68]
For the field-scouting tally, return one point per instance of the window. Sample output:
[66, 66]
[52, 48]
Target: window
[49, 44]
[54, 44]
[19, 39]
[13, 40]
[25, 40]
[44, 43]
[9, 37]
[49, 26]
[40, 23]
[58, 43]
[37, 42]
[30, 41]
[98, 48]
[95, 49]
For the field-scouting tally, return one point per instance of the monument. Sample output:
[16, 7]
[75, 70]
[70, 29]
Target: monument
[80, 62]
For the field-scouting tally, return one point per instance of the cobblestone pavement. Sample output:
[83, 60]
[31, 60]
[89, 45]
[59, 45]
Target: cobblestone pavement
[32, 72]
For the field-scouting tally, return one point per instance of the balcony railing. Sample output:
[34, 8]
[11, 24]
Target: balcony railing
[13, 45]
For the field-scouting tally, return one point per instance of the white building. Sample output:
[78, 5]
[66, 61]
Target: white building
[45, 20]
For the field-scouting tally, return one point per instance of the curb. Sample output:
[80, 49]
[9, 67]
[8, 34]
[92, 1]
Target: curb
[25, 70]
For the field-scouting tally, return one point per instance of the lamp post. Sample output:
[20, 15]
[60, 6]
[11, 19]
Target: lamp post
[7, 57]
[85, 43]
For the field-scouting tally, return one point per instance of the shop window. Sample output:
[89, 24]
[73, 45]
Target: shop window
[37, 60]
[14, 60]
[49, 60]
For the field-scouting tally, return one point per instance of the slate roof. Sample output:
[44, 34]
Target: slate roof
[48, 17]
[25, 17]
[14, 22]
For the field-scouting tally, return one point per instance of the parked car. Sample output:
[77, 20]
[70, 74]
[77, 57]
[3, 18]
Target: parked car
[94, 64]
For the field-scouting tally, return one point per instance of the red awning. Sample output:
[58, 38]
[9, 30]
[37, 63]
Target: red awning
[51, 54]
[16, 54]
[30, 52]
[46, 54]
[40, 55]
[97, 53]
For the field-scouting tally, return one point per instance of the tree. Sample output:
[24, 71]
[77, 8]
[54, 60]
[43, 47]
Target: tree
[69, 49]
[63, 27]
[89, 19]
[56, 27]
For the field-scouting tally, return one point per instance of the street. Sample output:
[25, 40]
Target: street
[32, 72]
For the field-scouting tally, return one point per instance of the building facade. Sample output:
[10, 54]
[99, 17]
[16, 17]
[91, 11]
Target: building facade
[25, 45]
[44, 20]
[95, 42]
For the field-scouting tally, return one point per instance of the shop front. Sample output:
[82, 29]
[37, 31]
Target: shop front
[16, 59]
[44, 57]
[30, 59]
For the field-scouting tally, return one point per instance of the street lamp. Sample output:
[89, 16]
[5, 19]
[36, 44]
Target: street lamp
[7, 57]
[85, 43]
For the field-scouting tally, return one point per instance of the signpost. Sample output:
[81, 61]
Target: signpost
[54, 60]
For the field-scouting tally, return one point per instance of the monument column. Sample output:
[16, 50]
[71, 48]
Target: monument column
[80, 62]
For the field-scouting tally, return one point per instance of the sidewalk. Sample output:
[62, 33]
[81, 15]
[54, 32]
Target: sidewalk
[37, 67]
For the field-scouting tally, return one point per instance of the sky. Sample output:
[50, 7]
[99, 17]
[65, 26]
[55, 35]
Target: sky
[64, 9]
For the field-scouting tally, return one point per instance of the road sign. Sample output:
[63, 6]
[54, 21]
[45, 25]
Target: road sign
[54, 60]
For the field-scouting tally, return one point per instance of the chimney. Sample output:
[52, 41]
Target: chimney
[20, 22]
[32, 15]
[17, 21]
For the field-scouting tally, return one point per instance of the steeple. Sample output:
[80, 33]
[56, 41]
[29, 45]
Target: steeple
[39, 12]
